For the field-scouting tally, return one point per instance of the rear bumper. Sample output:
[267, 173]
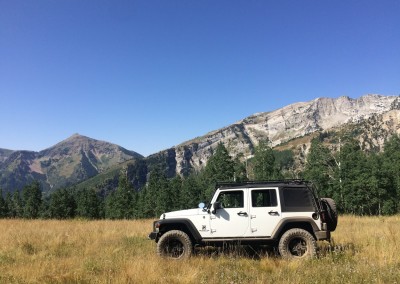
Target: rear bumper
[323, 235]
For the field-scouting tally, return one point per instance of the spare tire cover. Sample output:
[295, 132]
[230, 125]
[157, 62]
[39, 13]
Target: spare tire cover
[329, 206]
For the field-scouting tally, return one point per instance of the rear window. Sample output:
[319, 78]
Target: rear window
[297, 200]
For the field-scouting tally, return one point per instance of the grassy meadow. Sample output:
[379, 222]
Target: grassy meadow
[366, 250]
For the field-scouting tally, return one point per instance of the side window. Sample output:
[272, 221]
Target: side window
[231, 199]
[264, 198]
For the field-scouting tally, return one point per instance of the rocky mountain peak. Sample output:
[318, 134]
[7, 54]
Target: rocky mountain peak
[70, 161]
[76, 140]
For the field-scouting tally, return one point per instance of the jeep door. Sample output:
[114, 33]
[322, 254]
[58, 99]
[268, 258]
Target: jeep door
[264, 212]
[232, 219]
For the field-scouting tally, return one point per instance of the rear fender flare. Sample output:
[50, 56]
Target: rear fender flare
[294, 222]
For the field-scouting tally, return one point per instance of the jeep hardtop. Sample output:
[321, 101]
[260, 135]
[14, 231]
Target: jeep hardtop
[283, 214]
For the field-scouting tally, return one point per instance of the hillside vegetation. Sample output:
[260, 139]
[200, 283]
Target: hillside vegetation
[79, 251]
[362, 183]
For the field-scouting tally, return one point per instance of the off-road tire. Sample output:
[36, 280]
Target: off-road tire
[331, 215]
[175, 244]
[297, 243]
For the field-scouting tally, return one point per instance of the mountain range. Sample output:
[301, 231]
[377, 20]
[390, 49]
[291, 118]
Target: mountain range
[295, 123]
[371, 118]
[68, 162]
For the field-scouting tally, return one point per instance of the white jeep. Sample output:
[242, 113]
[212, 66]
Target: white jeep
[284, 214]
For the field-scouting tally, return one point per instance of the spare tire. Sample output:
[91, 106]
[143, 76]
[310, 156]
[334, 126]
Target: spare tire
[331, 215]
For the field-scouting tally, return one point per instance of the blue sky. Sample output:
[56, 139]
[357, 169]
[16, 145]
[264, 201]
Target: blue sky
[148, 75]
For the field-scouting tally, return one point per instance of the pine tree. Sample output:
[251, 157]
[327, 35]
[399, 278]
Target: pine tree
[380, 199]
[264, 162]
[9, 204]
[220, 167]
[16, 206]
[321, 168]
[240, 170]
[285, 163]
[175, 189]
[357, 184]
[88, 204]
[62, 204]
[390, 175]
[148, 202]
[32, 199]
[119, 204]
[3, 205]
[140, 204]
[158, 193]
[110, 204]
[193, 191]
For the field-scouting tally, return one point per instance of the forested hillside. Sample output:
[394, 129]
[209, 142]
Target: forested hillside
[362, 182]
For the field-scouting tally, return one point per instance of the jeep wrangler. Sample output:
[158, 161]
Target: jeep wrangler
[285, 214]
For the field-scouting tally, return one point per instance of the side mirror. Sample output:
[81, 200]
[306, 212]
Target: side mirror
[216, 206]
[201, 205]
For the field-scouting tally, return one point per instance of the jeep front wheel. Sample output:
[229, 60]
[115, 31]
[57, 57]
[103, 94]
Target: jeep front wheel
[297, 243]
[174, 244]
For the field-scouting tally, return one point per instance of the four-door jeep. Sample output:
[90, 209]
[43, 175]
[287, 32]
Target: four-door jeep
[284, 214]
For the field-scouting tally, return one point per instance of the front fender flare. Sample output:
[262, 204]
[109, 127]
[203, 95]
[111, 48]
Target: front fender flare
[182, 224]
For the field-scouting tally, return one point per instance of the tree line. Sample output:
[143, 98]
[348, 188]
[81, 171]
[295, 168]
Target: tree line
[361, 182]
[133, 199]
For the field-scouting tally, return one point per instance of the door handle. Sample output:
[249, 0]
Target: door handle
[273, 213]
[242, 213]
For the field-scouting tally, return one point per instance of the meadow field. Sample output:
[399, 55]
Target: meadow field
[365, 250]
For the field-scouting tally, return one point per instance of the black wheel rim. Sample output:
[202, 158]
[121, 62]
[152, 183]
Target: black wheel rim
[174, 249]
[298, 247]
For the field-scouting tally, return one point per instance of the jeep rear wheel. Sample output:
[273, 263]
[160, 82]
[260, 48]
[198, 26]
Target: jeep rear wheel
[297, 243]
[175, 244]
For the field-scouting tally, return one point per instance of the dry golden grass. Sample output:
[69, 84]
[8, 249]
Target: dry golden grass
[43, 251]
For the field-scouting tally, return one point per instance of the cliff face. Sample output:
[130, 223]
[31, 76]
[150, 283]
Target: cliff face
[280, 126]
[318, 115]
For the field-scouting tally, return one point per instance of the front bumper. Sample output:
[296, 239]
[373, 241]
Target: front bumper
[153, 235]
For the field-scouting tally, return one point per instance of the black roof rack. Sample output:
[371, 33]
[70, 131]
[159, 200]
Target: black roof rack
[259, 182]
